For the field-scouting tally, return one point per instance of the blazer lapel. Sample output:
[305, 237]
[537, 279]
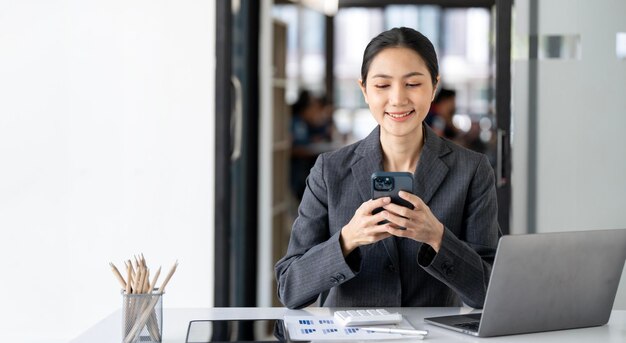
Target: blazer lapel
[431, 170]
[370, 160]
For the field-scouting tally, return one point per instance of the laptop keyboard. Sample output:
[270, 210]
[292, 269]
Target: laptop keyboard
[472, 326]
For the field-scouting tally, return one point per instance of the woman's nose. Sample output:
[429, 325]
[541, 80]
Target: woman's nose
[398, 96]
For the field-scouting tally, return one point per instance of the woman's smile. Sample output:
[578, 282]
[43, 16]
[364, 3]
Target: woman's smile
[400, 116]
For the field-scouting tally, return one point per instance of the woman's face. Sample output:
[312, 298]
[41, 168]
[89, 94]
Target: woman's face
[398, 90]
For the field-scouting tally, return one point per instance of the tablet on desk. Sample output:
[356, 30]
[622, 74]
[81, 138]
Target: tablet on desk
[257, 330]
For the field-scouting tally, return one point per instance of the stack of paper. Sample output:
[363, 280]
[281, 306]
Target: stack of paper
[309, 328]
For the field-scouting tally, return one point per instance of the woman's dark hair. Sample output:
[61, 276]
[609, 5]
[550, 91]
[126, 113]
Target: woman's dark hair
[406, 38]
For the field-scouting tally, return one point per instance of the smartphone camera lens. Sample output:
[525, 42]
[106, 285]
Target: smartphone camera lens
[383, 183]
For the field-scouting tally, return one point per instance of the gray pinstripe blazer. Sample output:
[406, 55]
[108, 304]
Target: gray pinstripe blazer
[459, 187]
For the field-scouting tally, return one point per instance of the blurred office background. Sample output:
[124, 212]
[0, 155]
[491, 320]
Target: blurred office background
[162, 128]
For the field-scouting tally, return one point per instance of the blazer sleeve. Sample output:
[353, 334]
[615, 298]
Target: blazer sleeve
[314, 261]
[465, 265]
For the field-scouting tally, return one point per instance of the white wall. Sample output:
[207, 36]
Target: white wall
[106, 150]
[581, 119]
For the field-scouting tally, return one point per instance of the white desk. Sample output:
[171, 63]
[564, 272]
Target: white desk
[176, 321]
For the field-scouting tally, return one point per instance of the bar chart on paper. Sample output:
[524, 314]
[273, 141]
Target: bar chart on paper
[327, 329]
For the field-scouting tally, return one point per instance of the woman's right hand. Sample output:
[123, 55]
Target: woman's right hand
[363, 228]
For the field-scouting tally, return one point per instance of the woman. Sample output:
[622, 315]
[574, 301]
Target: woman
[339, 251]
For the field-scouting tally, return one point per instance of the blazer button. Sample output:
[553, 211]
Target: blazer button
[391, 267]
[340, 277]
[334, 280]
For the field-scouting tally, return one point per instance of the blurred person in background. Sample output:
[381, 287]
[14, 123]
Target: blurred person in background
[441, 119]
[311, 134]
[441, 112]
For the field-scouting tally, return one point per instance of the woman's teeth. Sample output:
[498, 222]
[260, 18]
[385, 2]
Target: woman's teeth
[400, 115]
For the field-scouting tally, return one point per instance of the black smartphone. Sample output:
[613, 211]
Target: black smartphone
[389, 184]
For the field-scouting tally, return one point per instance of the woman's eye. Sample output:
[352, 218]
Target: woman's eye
[413, 84]
[381, 86]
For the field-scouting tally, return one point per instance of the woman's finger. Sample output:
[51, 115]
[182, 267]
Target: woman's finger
[412, 198]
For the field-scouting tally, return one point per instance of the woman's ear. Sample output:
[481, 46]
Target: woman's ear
[362, 86]
[435, 88]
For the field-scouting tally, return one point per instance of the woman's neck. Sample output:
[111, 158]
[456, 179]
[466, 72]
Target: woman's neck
[402, 153]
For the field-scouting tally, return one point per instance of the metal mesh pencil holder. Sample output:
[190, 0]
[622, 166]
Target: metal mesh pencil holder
[142, 317]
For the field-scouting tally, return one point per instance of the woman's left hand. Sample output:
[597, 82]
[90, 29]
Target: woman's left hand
[420, 223]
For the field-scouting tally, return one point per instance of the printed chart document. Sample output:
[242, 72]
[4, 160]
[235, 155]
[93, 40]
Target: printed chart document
[309, 328]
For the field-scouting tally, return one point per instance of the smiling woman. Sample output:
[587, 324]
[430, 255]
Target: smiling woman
[399, 77]
[352, 256]
[399, 91]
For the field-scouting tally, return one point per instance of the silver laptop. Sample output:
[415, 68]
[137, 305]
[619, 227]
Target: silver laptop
[547, 281]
